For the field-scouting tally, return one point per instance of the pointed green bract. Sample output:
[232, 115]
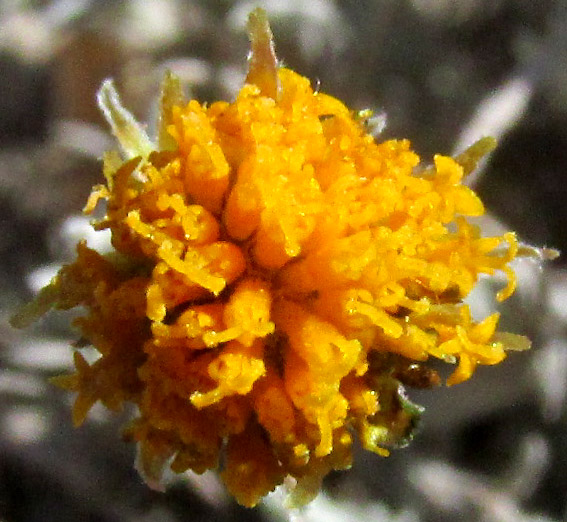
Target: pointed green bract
[132, 137]
[171, 96]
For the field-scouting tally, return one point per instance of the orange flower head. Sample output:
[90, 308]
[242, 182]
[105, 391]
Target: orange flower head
[277, 275]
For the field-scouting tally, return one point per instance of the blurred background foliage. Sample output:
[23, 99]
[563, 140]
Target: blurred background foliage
[442, 73]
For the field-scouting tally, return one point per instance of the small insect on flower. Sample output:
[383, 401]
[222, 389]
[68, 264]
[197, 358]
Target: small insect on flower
[277, 276]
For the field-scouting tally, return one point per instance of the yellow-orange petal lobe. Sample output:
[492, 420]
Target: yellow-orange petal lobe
[277, 274]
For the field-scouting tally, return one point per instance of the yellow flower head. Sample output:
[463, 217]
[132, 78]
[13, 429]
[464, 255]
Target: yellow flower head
[277, 275]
